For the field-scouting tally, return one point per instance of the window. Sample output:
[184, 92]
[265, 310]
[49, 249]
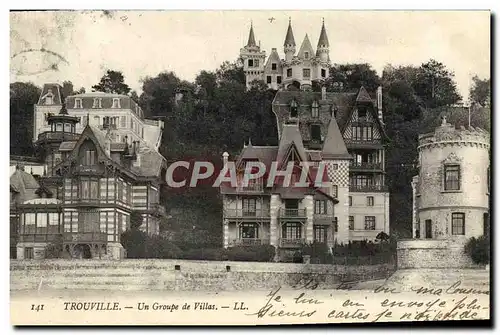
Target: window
[362, 133]
[53, 219]
[97, 103]
[323, 73]
[78, 103]
[250, 63]
[29, 219]
[292, 230]
[458, 223]
[274, 66]
[362, 181]
[350, 201]
[316, 132]
[249, 230]
[452, 177]
[41, 220]
[320, 207]
[369, 223]
[320, 234]
[293, 109]
[89, 188]
[249, 206]
[351, 222]
[116, 103]
[142, 132]
[361, 113]
[335, 190]
[315, 109]
[278, 79]
[123, 121]
[306, 55]
[256, 63]
[89, 158]
[289, 73]
[369, 201]
[59, 127]
[306, 73]
[336, 224]
[335, 166]
[488, 179]
[268, 79]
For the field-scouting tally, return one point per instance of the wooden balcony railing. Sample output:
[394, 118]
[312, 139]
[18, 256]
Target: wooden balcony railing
[251, 188]
[87, 237]
[291, 242]
[368, 188]
[241, 213]
[58, 136]
[292, 213]
[365, 166]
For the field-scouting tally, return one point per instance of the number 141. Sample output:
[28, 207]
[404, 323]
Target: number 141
[37, 308]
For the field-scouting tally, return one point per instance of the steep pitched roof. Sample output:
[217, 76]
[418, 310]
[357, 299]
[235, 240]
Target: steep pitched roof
[323, 38]
[290, 138]
[289, 40]
[305, 47]
[273, 58]
[334, 146]
[263, 154]
[24, 183]
[251, 38]
[363, 96]
[51, 90]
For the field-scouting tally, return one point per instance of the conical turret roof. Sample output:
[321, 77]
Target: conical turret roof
[323, 38]
[251, 38]
[289, 40]
[334, 146]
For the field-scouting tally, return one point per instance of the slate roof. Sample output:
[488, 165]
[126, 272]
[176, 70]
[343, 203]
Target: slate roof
[290, 136]
[305, 46]
[251, 38]
[48, 88]
[289, 40]
[323, 38]
[334, 145]
[25, 184]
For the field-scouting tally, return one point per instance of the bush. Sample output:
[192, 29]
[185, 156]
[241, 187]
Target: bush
[207, 254]
[55, 248]
[318, 251]
[258, 253]
[479, 249]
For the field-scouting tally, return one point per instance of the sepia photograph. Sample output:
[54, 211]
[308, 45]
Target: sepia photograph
[250, 167]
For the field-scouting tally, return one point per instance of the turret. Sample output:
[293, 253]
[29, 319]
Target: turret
[323, 48]
[253, 59]
[289, 45]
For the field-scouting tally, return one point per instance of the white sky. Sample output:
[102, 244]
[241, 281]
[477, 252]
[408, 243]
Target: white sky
[144, 43]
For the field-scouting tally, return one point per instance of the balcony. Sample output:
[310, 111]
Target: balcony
[92, 202]
[368, 188]
[39, 237]
[250, 241]
[365, 166]
[257, 187]
[57, 136]
[363, 143]
[241, 213]
[91, 237]
[292, 242]
[89, 169]
[292, 213]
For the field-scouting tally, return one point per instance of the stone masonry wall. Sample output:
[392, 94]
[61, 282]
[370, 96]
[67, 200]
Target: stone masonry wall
[182, 275]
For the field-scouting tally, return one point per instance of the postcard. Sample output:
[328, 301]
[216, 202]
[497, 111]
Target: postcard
[249, 167]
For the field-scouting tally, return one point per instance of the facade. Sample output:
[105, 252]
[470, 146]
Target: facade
[343, 132]
[300, 67]
[100, 162]
[451, 191]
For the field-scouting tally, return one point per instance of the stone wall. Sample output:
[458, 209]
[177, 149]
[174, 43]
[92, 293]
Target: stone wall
[418, 254]
[182, 275]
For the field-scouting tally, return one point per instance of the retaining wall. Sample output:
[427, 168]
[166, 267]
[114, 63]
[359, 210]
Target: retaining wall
[182, 274]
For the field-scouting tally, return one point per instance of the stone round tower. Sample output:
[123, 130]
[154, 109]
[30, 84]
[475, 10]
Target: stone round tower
[452, 188]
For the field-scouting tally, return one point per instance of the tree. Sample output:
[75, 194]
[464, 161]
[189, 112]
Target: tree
[67, 89]
[133, 239]
[480, 92]
[350, 77]
[435, 85]
[112, 82]
[134, 96]
[23, 97]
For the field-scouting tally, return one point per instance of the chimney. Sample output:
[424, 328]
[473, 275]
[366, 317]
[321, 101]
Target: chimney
[225, 157]
[323, 93]
[379, 104]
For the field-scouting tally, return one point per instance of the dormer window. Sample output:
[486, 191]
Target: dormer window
[116, 103]
[97, 103]
[315, 109]
[316, 132]
[306, 55]
[78, 103]
[306, 73]
[361, 113]
[289, 73]
[294, 109]
[323, 73]
[250, 63]
[274, 66]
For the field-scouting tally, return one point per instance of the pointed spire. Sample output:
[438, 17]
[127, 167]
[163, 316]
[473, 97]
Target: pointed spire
[289, 40]
[251, 37]
[323, 38]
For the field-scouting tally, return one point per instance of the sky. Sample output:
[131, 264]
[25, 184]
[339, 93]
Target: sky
[80, 45]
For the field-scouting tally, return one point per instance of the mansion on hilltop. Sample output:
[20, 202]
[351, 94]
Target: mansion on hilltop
[97, 161]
